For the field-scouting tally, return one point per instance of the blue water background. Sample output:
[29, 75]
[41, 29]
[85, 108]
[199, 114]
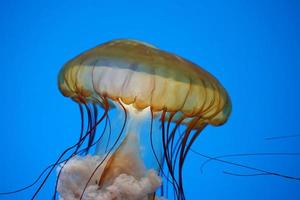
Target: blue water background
[252, 47]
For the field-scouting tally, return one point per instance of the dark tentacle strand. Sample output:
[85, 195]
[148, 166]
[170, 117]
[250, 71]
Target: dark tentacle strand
[110, 150]
[109, 135]
[159, 162]
[76, 145]
[246, 166]
[84, 150]
[168, 160]
[236, 174]
[176, 150]
[244, 155]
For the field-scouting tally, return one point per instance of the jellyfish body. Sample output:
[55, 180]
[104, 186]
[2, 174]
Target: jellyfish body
[143, 76]
[146, 85]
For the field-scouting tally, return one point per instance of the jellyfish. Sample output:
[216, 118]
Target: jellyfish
[151, 93]
[150, 107]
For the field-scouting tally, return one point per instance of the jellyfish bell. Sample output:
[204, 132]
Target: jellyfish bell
[141, 75]
[149, 88]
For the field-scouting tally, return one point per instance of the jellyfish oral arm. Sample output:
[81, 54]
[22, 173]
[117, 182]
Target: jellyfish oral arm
[130, 171]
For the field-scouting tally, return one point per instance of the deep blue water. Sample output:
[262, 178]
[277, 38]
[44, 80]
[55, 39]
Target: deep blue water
[252, 47]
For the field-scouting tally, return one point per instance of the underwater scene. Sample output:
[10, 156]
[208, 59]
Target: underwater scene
[150, 100]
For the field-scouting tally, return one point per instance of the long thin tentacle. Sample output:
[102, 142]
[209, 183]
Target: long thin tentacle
[105, 157]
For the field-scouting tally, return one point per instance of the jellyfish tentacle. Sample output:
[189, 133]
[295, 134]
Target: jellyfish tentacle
[76, 150]
[83, 150]
[168, 160]
[68, 149]
[170, 139]
[282, 137]
[177, 148]
[49, 166]
[172, 136]
[53, 164]
[93, 122]
[105, 157]
[82, 122]
[109, 135]
[154, 153]
[169, 150]
[165, 150]
[182, 154]
[168, 136]
[172, 158]
[28, 186]
[245, 154]
[246, 166]
[86, 149]
[194, 137]
[90, 125]
[256, 174]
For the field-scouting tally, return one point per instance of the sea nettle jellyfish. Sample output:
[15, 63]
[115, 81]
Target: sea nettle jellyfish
[139, 96]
